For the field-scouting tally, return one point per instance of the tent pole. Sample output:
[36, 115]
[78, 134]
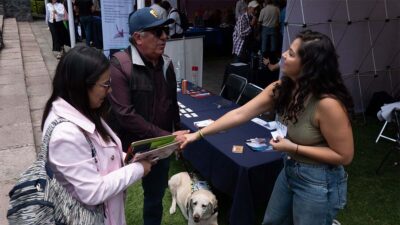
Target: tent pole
[71, 23]
[140, 4]
[361, 96]
[348, 12]
[386, 11]
[288, 35]
[302, 11]
[332, 37]
[372, 48]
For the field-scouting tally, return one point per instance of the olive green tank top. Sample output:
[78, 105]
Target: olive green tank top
[305, 131]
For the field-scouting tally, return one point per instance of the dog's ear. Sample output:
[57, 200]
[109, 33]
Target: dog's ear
[189, 208]
[214, 203]
[209, 209]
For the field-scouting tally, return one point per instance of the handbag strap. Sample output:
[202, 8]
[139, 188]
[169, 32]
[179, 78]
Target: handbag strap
[92, 148]
[46, 140]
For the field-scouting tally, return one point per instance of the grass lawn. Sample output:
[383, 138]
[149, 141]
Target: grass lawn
[372, 199]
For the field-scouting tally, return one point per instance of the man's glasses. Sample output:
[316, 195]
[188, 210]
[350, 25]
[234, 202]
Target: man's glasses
[106, 84]
[158, 32]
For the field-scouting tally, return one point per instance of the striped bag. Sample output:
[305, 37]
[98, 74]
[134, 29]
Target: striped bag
[38, 198]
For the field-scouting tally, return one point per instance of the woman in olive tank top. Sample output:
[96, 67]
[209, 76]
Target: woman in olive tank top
[314, 104]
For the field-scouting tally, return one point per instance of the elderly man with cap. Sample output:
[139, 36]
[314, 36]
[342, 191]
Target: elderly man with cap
[242, 33]
[143, 100]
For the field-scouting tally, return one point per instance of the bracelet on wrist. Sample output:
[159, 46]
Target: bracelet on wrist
[201, 134]
[297, 149]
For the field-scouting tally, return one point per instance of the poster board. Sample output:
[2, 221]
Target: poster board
[114, 20]
[187, 53]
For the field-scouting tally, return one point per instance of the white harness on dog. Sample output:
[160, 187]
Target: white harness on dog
[200, 185]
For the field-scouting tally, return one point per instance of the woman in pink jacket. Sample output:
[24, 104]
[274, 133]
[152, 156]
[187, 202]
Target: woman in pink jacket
[80, 86]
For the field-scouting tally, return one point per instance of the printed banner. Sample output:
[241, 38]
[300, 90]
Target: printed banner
[114, 17]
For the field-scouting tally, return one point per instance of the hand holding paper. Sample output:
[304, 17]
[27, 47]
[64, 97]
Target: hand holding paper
[180, 135]
[146, 166]
[283, 144]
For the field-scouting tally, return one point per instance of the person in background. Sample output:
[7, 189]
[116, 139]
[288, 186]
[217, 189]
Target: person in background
[198, 19]
[78, 38]
[85, 9]
[162, 13]
[272, 66]
[242, 33]
[269, 20]
[97, 29]
[144, 99]
[240, 8]
[175, 29]
[55, 20]
[314, 105]
[80, 86]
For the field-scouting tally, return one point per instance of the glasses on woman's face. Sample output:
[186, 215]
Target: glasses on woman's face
[158, 32]
[106, 84]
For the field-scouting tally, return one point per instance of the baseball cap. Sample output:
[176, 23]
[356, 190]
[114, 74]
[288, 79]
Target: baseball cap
[253, 4]
[146, 18]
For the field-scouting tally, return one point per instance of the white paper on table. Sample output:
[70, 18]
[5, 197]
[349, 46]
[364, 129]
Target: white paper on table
[259, 121]
[181, 105]
[238, 64]
[194, 114]
[203, 123]
[189, 110]
[272, 125]
[187, 115]
[182, 110]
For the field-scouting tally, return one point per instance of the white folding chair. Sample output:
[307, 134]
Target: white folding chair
[396, 120]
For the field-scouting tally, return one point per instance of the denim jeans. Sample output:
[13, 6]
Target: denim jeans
[306, 194]
[87, 25]
[154, 185]
[269, 39]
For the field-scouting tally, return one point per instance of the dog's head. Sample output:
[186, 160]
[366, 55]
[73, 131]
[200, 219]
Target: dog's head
[202, 205]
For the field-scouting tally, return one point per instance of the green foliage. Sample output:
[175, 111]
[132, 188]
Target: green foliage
[38, 7]
[372, 199]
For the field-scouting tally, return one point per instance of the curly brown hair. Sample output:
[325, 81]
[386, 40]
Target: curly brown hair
[319, 77]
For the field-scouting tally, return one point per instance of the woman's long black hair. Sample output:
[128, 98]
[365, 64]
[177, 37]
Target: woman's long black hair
[76, 73]
[320, 77]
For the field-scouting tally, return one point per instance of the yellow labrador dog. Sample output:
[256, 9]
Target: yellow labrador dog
[198, 207]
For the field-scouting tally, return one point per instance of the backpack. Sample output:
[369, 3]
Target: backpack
[38, 198]
[184, 20]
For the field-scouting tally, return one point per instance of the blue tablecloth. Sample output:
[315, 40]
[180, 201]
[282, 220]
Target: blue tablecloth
[248, 177]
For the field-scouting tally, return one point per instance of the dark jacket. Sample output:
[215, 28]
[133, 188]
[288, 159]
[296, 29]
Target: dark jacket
[136, 111]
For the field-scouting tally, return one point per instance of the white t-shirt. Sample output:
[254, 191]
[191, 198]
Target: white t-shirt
[58, 14]
[175, 28]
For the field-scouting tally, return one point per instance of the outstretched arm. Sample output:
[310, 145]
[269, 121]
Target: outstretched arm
[261, 103]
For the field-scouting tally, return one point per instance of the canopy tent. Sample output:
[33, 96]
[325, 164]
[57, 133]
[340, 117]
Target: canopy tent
[366, 34]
